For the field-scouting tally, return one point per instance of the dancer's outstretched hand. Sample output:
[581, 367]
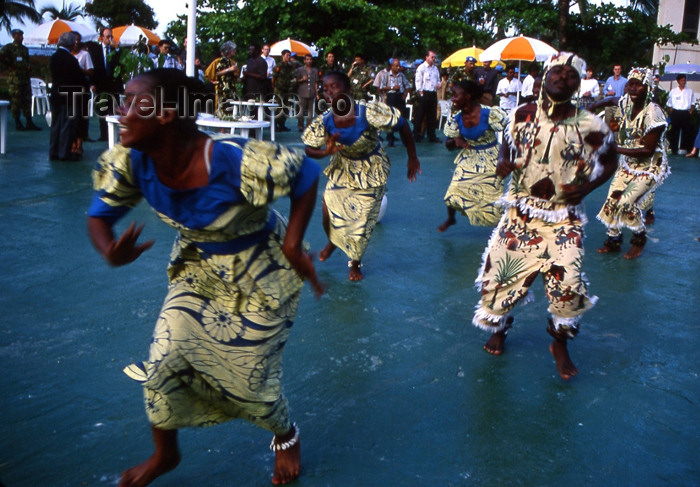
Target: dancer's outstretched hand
[125, 249]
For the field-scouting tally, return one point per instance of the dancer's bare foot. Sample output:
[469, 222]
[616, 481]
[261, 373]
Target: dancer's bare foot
[609, 247]
[447, 224]
[355, 270]
[326, 252]
[565, 366]
[634, 252]
[287, 462]
[692, 153]
[494, 345]
[146, 472]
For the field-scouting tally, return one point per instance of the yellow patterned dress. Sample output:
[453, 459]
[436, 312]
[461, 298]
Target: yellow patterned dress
[217, 346]
[633, 185]
[475, 187]
[357, 174]
[539, 233]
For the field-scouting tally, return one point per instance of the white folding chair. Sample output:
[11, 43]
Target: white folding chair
[40, 97]
[445, 112]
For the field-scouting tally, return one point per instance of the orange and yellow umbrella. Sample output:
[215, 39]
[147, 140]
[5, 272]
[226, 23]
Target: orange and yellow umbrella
[457, 58]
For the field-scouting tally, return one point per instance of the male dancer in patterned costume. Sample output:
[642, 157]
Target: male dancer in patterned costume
[643, 165]
[557, 157]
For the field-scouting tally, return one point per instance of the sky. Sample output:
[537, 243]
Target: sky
[165, 10]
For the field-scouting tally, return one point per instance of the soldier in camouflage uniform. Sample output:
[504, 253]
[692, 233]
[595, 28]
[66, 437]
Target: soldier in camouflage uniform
[467, 72]
[360, 78]
[16, 57]
[284, 82]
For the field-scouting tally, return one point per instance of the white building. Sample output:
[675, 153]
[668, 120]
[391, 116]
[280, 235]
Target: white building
[683, 16]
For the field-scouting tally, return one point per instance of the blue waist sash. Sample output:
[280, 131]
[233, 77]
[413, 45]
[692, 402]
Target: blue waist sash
[484, 146]
[238, 244]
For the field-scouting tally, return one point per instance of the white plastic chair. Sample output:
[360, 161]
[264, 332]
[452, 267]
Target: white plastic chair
[40, 97]
[445, 112]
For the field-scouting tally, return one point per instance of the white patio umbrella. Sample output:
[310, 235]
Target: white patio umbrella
[49, 32]
[519, 49]
[293, 46]
[128, 35]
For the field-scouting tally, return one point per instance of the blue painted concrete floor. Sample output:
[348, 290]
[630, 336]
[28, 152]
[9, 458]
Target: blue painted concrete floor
[386, 378]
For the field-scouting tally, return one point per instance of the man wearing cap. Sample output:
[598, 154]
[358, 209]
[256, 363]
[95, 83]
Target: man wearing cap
[284, 81]
[468, 72]
[16, 57]
[360, 77]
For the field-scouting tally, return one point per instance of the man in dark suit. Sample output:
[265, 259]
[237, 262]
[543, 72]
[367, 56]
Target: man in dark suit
[68, 83]
[103, 80]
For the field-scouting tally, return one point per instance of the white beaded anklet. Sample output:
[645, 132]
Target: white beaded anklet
[358, 265]
[274, 446]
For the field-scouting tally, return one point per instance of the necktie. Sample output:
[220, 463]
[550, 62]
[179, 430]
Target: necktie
[106, 54]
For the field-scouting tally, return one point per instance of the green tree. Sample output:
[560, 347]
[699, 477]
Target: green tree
[72, 12]
[602, 34]
[17, 10]
[121, 12]
[622, 35]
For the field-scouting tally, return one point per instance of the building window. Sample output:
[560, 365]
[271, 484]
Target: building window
[691, 17]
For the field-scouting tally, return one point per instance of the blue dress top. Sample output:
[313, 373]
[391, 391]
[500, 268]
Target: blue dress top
[474, 133]
[244, 177]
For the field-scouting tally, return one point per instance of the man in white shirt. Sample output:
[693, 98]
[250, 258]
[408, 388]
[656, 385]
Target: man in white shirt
[427, 83]
[533, 71]
[508, 89]
[270, 67]
[680, 105]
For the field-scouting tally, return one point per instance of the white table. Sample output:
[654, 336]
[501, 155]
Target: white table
[244, 108]
[112, 130]
[236, 127]
[4, 105]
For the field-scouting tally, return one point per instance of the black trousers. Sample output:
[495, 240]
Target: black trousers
[63, 129]
[681, 128]
[426, 110]
[396, 100]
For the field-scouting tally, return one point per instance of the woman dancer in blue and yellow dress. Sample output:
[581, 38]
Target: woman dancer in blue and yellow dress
[475, 187]
[643, 164]
[235, 272]
[359, 167]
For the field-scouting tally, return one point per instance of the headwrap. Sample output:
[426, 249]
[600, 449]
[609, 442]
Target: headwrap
[568, 58]
[563, 58]
[16, 31]
[645, 75]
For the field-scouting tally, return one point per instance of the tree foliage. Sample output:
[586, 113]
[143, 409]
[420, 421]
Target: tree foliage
[17, 10]
[71, 12]
[603, 34]
[115, 13]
